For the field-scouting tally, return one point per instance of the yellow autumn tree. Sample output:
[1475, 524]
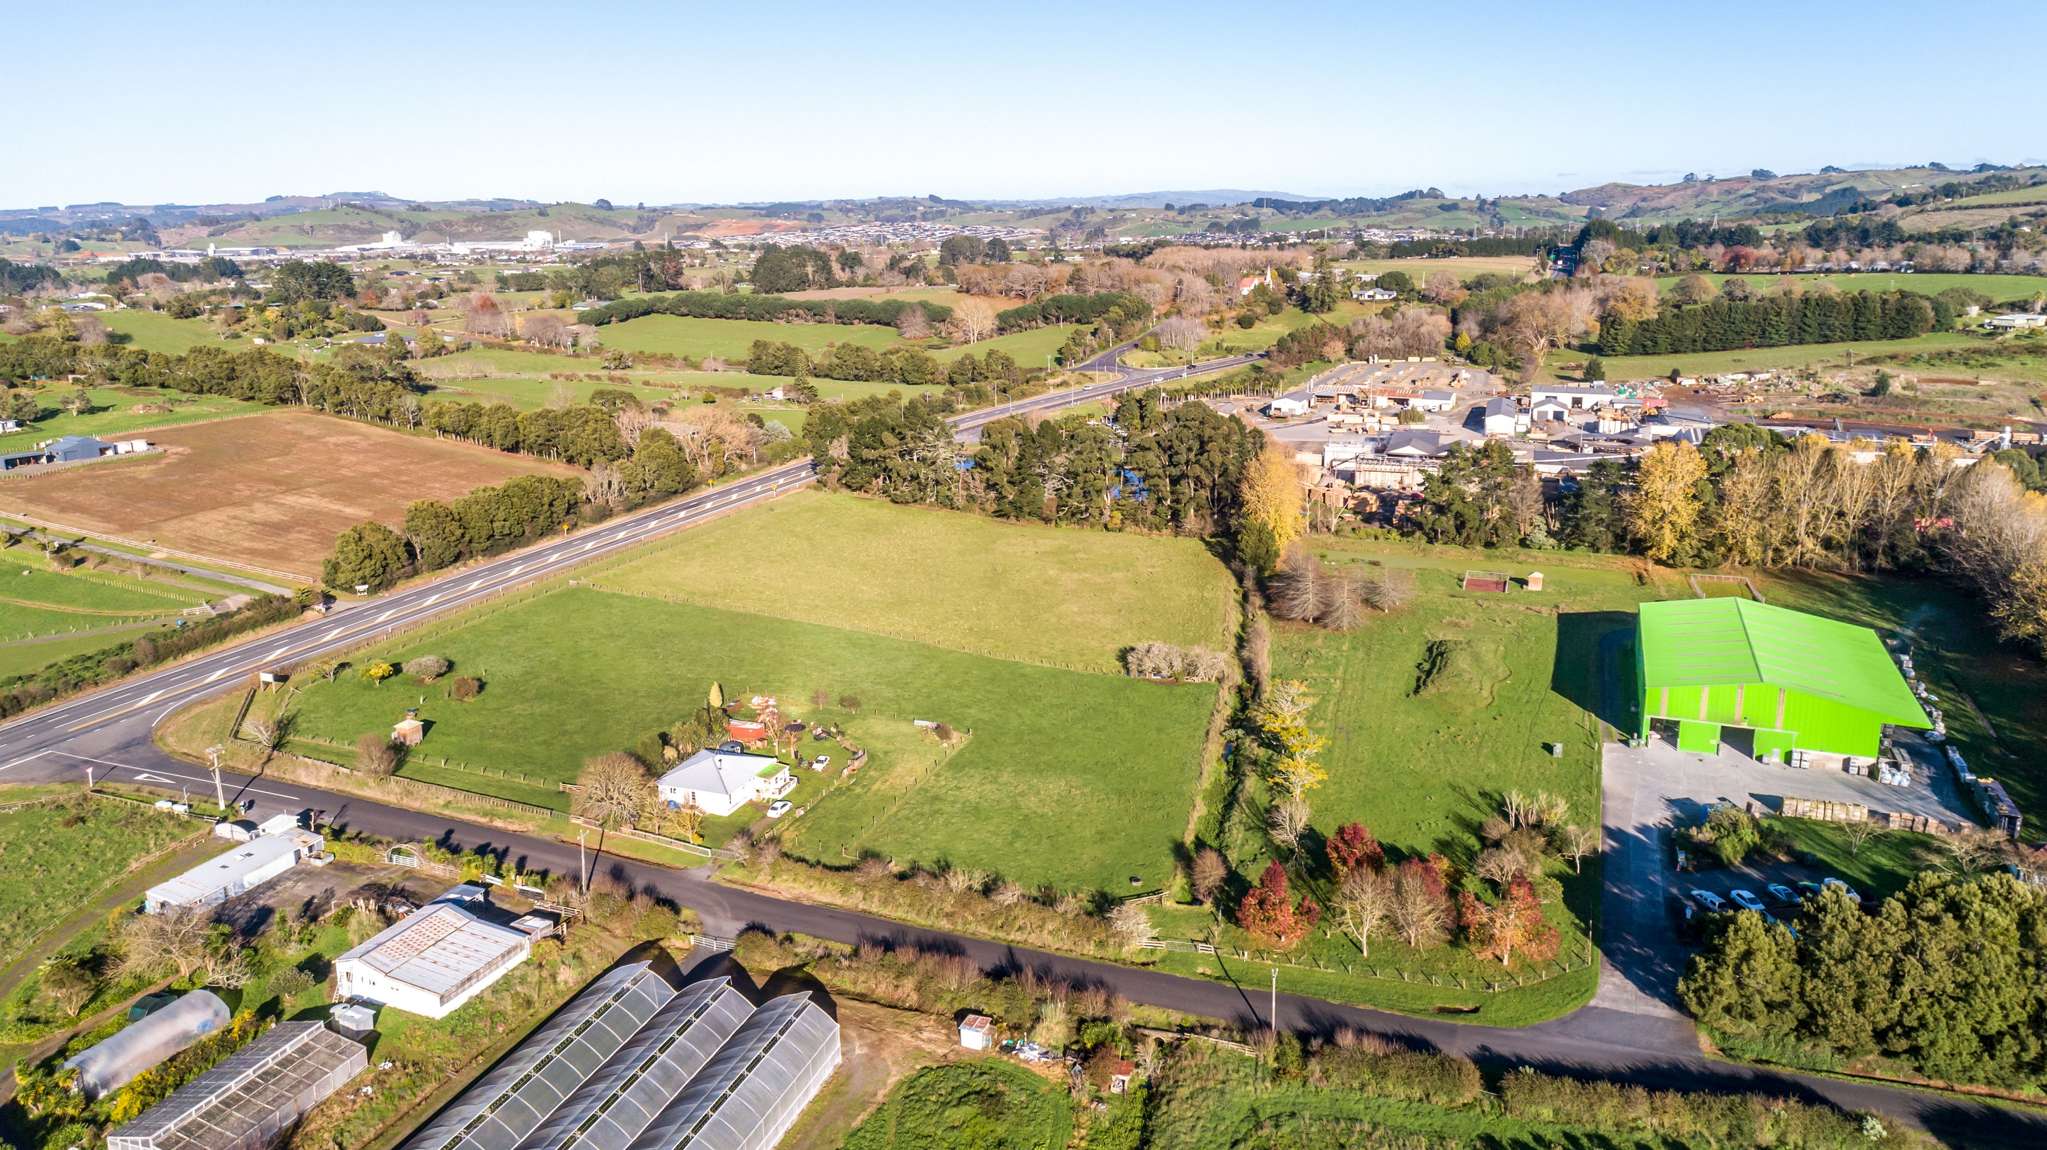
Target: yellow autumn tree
[1663, 509]
[1281, 719]
[1271, 496]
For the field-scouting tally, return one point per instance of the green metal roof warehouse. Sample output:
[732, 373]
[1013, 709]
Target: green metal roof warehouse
[1798, 681]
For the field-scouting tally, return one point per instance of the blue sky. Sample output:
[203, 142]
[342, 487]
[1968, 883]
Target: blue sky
[754, 100]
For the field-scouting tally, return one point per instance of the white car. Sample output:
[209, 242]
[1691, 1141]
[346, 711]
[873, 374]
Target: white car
[1746, 900]
[821, 762]
[1712, 903]
[780, 807]
[1843, 887]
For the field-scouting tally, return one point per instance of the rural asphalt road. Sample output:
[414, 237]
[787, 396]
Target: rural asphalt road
[111, 731]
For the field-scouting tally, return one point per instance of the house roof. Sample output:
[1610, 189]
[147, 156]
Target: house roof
[1408, 441]
[438, 947]
[1502, 405]
[719, 773]
[233, 867]
[1716, 642]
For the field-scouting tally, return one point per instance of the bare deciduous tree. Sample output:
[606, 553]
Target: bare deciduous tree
[1364, 900]
[614, 789]
[1209, 873]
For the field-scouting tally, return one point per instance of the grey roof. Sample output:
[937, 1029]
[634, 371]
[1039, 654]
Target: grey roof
[251, 1096]
[711, 771]
[1501, 405]
[1410, 441]
[632, 1062]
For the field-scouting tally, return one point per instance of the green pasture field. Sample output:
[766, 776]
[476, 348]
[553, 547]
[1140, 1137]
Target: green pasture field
[48, 872]
[26, 657]
[1792, 356]
[155, 331]
[1023, 592]
[1997, 287]
[1027, 348]
[27, 578]
[732, 338]
[2035, 194]
[114, 413]
[1063, 777]
[1463, 267]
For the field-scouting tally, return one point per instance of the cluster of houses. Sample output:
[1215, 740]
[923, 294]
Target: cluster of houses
[1380, 429]
[1363, 285]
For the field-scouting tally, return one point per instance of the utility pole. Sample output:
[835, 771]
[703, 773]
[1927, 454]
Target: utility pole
[582, 868]
[219, 795]
[1273, 1017]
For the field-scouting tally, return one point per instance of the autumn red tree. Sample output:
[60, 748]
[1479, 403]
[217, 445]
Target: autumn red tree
[1511, 927]
[1351, 847]
[1269, 913]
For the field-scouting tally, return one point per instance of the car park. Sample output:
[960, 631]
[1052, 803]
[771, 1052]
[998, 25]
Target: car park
[1830, 882]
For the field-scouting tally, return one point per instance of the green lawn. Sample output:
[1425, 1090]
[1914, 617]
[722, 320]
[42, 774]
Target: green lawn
[983, 1104]
[1006, 590]
[155, 331]
[731, 338]
[1881, 868]
[58, 855]
[1065, 777]
[27, 578]
[120, 411]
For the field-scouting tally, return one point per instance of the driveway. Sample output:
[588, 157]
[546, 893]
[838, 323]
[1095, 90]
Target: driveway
[1650, 791]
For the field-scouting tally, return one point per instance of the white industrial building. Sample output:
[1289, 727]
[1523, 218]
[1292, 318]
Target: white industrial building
[718, 783]
[245, 867]
[435, 959]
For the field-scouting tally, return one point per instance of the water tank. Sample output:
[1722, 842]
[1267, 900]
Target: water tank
[116, 1060]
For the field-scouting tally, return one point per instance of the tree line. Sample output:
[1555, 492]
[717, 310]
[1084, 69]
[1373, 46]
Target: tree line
[1120, 309]
[898, 364]
[1748, 497]
[769, 307]
[1945, 979]
[1171, 468]
[1785, 318]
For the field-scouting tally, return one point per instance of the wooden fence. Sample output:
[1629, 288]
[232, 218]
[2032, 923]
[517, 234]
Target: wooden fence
[698, 849]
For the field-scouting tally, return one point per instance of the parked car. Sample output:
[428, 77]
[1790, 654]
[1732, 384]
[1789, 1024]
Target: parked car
[1713, 903]
[1746, 900]
[1807, 891]
[1782, 895]
[821, 762]
[1830, 882]
[780, 807]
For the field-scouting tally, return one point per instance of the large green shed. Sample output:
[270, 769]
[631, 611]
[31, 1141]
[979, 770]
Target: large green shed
[1797, 681]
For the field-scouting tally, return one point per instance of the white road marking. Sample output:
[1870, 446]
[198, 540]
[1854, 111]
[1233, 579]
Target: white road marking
[215, 675]
[385, 615]
[151, 697]
[474, 585]
[145, 776]
[23, 759]
[431, 600]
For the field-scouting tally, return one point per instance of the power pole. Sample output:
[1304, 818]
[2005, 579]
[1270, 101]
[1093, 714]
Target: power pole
[219, 795]
[1273, 1017]
[582, 867]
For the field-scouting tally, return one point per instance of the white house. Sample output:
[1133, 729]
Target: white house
[248, 865]
[1575, 398]
[1549, 409]
[1286, 407]
[1503, 416]
[720, 782]
[1434, 399]
[1372, 294]
[435, 959]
